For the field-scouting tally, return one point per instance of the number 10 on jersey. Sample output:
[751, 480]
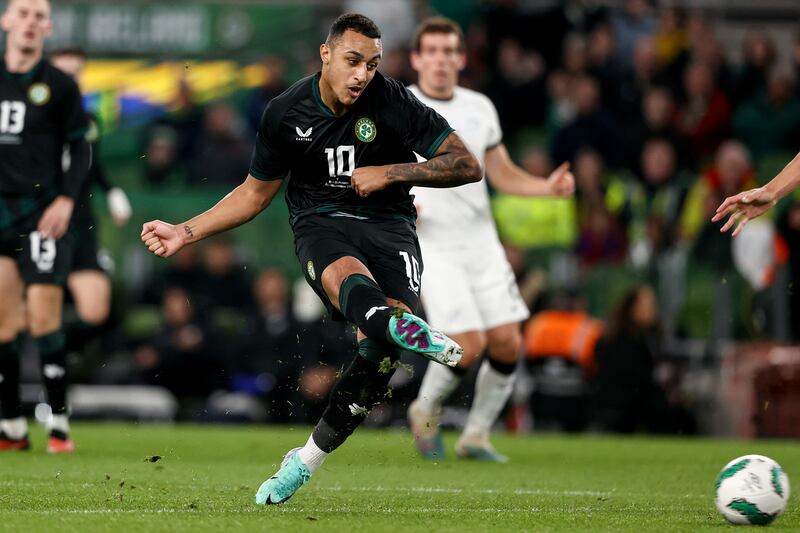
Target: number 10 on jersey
[341, 165]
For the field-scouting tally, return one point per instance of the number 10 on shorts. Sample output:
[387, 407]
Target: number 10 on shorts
[412, 270]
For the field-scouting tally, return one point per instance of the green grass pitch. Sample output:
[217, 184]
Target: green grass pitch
[207, 477]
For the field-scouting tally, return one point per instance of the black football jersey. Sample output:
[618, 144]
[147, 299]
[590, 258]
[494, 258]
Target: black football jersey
[299, 138]
[40, 111]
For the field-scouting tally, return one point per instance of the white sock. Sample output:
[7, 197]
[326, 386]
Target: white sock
[14, 428]
[438, 383]
[312, 455]
[58, 423]
[492, 390]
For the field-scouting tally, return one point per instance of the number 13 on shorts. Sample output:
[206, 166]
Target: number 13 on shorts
[412, 271]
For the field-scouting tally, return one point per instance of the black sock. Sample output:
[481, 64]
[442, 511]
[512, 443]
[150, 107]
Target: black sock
[10, 402]
[53, 358]
[363, 384]
[503, 368]
[79, 333]
[364, 304]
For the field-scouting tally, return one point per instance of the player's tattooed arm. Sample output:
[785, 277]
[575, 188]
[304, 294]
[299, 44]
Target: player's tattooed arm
[452, 165]
[240, 205]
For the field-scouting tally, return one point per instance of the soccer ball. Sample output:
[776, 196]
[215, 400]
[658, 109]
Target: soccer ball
[752, 489]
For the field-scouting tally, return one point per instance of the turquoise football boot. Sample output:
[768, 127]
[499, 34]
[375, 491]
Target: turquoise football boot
[292, 475]
[412, 333]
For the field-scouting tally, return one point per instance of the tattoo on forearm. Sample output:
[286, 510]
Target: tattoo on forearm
[188, 231]
[452, 165]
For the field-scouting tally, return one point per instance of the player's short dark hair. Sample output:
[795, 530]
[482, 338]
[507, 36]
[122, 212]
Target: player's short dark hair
[355, 22]
[437, 25]
[74, 51]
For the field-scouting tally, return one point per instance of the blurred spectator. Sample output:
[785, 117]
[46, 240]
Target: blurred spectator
[705, 115]
[706, 48]
[656, 120]
[770, 120]
[274, 84]
[575, 58]
[161, 156]
[758, 57]
[634, 21]
[731, 172]
[655, 203]
[671, 38]
[601, 62]
[593, 127]
[185, 118]
[596, 186]
[634, 84]
[183, 356]
[224, 148]
[561, 108]
[517, 88]
[628, 397]
[271, 348]
[537, 160]
[538, 29]
[600, 240]
[183, 270]
[225, 280]
[789, 229]
[795, 61]
[589, 172]
[395, 64]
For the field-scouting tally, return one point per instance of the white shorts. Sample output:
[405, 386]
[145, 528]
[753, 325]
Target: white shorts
[472, 289]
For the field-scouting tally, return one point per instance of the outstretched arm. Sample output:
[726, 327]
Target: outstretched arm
[748, 205]
[239, 206]
[508, 178]
[452, 165]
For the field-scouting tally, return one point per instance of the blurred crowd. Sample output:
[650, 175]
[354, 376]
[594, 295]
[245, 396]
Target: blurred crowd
[659, 125]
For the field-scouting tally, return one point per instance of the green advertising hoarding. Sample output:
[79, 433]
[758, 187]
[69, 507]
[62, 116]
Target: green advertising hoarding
[198, 29]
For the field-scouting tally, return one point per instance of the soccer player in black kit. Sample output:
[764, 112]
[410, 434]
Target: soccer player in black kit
[40, 113]
[345, 140]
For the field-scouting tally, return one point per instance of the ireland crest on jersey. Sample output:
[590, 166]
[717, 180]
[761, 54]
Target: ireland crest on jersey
[366, 130]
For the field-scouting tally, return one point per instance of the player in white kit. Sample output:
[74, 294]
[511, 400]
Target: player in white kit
[468, 286]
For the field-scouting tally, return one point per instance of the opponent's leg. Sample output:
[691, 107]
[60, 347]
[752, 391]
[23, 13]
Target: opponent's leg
[91, 292]
[362, 385]
[493, 387]
[13, 426]
[44, 306]
[424, 413]
[350, 286]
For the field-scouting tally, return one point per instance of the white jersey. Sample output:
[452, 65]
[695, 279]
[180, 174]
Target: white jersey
[451, 217]
[467, 283]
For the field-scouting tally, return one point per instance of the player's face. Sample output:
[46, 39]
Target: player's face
[69, 64]
[349, 65]
[27, 24]
[438, 61]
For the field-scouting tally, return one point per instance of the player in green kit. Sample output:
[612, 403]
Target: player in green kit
[345, 139]
[40, 114]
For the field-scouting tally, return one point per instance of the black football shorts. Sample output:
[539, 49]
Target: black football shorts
[388, 247]
[40, 260]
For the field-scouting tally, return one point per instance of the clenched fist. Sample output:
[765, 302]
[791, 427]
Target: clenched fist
[367, 180]
[162, 239]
